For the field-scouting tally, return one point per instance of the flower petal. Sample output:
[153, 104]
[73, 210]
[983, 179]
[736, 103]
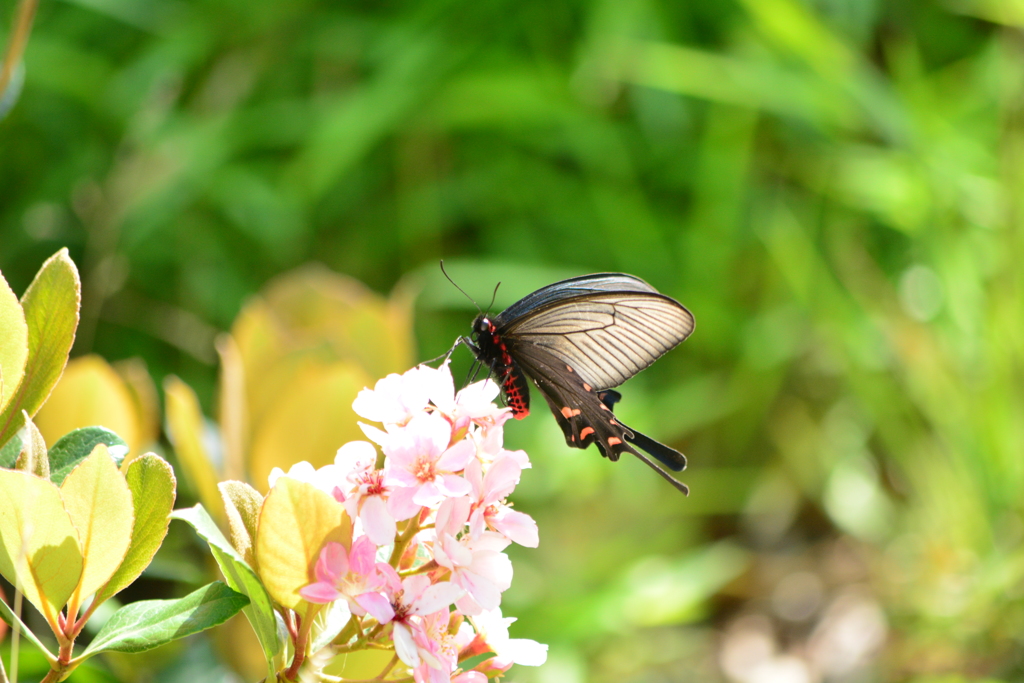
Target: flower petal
[321, 593]
[454, 485]
[356, 457]
[378, 606]
[401, 504]
[405, 646]
[500, 479]
[518, 526]
[378, 523]
[332, 564]
[525, 651]
[437, 597]
[362, 555]
[457, 457]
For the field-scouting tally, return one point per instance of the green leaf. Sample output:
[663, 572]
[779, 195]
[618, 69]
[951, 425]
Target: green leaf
[296, 521]
[151, 480]
[241, 577]
[32, 458]
[39, 549]
[51, 306]
[475, 660]
[9, 452]
[99, 502]
[242, 504]
[74, 447]
[13, 343]
[147, 624]
[11, 618]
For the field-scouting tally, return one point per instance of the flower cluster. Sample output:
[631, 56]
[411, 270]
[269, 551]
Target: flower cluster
[425, 569]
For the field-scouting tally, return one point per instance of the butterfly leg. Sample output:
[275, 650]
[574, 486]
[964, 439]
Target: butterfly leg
[448, 354]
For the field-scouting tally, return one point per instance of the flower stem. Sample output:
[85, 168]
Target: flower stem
[403, 541]
[305, 623]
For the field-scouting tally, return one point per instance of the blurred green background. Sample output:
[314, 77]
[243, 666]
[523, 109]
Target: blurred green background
[833, 187]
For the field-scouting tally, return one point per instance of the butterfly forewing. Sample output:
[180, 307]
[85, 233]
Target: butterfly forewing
[605, 337]
[577, 286]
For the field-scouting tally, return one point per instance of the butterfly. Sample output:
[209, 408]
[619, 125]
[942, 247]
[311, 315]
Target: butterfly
[576, 339]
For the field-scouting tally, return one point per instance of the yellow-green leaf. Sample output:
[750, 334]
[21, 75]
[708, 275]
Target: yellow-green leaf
[33, 457]
[233, 407]
[296, 521]
[242, 504]
[99, 503]
[13, 343]
[319, 307]
[262, 344]
[319, 398]
[185, 429]
[51, 306]
[90, 393]
[151, 481]
[135, 375]
[39, 550]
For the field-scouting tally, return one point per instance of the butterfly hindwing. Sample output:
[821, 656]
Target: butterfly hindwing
[577, 408]
[585, 416]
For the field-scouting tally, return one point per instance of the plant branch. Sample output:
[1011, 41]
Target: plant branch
[403, 541]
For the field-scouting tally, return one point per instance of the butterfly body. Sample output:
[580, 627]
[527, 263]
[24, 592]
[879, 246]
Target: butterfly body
[490, 345]
[576, 339]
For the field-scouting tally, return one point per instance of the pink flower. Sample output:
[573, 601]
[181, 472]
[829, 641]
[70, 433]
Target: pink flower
[421, 466]
[366, 495]
[476, 564]
[489, 443]
[489, 507]
[353, 576]
[396, 399]
[413, 600]
[436, 648]
[473, 403]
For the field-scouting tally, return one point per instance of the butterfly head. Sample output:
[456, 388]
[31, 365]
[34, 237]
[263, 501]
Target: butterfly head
[482, 327]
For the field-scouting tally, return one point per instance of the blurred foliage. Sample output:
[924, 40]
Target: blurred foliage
[831, 186]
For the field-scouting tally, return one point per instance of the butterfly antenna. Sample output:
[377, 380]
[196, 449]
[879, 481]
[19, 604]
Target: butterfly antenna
[473, 301]
[494, 296]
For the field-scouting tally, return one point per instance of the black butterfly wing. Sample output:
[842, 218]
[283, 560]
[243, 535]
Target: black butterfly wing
[586, 417]
[606, 327]
[576, 286]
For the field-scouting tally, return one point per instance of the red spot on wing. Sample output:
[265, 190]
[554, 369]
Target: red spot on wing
[566, 412]
[614, 441]
[586, 386]
[586, 431]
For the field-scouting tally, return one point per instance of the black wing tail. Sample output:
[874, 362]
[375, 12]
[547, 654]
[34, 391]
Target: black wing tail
[658, 468]
[670, 457]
